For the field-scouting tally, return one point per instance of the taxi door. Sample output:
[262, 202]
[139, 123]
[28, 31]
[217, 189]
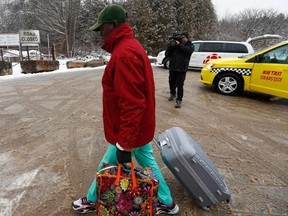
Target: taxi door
[270, 74]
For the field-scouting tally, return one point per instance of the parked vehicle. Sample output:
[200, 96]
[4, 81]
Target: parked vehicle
[264, 72]
[206, 50]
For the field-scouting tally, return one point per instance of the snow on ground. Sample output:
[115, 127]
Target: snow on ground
[17, 71]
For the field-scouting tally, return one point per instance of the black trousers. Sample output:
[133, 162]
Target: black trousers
[176, 84]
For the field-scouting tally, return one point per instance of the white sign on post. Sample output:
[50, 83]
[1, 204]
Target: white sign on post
[29, 37]
[9, 39]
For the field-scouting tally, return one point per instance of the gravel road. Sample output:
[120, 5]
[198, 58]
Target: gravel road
[51, 140]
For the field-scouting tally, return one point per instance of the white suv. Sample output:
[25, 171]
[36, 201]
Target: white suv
[205, 50]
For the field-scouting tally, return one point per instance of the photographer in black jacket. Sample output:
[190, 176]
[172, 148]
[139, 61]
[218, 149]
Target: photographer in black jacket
[179, 52]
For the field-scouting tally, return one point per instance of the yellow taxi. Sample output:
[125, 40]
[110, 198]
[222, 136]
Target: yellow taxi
[264, 72]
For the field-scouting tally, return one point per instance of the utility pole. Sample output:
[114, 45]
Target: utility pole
[48, 46]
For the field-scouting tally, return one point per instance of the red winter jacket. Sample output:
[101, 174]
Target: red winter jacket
[128, 91]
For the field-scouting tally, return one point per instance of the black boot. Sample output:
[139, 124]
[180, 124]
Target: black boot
[172, 96]
[178, 104]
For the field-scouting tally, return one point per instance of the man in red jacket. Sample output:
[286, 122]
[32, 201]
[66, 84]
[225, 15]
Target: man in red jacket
[128, 105]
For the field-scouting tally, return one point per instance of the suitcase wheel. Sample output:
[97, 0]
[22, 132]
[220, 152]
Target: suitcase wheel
[229, 200]
[206, 208]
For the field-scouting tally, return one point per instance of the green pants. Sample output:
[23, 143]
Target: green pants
[145, 158]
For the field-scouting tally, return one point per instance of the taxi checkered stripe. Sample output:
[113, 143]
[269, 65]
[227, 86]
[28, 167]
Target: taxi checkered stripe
[242, 71]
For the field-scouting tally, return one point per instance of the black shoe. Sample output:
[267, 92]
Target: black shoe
[172, 97]
[178, 104]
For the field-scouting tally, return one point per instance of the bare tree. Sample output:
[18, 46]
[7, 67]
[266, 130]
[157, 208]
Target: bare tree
[252, 23]
[59, 19]
[13, 16]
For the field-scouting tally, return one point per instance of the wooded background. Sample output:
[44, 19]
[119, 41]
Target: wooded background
[66, 22]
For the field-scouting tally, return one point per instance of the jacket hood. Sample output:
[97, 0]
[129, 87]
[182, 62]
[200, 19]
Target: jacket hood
[123, 31]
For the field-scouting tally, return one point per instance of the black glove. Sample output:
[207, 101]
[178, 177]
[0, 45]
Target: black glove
[123, 156]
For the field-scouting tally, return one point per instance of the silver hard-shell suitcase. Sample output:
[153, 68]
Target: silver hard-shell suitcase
[192, 167]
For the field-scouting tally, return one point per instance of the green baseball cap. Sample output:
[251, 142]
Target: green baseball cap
[110, 13]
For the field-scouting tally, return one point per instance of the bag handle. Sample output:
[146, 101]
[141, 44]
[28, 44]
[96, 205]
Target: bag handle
[134, 180]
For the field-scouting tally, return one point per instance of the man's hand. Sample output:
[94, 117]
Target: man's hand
[122, 155]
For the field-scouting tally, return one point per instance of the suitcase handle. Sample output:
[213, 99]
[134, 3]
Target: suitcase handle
[157, 143]
[162, 143]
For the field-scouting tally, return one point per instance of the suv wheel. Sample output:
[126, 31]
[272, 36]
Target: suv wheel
[228, 84]
[166, 63]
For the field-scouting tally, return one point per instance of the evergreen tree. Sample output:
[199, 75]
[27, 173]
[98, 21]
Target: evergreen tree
[89, 41]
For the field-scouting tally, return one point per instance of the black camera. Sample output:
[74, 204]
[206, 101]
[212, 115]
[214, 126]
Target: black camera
[174, 38]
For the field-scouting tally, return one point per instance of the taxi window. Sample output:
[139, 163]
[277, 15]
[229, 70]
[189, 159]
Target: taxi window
[278, 55]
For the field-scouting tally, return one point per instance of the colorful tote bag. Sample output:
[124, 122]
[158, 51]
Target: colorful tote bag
[126, 191]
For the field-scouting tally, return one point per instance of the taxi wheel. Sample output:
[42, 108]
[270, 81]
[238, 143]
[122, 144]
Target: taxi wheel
[228, 84]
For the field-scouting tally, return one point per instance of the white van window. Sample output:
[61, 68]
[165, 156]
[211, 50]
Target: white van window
[211, 47]
[234, 48]
[196, 47]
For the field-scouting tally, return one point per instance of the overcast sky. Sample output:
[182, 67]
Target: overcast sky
[230, 7]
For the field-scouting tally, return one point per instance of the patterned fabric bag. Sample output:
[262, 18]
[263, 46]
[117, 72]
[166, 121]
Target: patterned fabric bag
[126, 191]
